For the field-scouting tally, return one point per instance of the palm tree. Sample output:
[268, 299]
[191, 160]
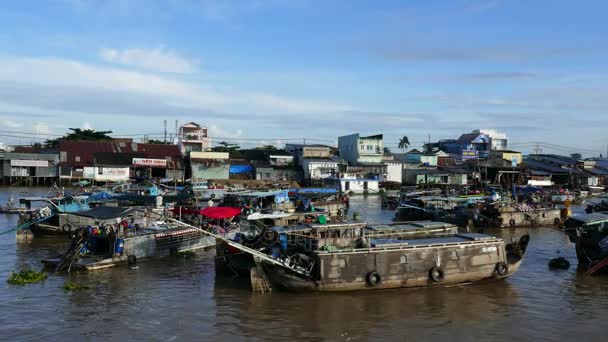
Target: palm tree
[404, 143]
[387, 150]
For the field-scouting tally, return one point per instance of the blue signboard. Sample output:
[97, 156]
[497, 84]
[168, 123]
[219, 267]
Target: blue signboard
[469, 154]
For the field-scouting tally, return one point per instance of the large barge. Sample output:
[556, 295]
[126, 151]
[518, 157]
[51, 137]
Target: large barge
[339, 259]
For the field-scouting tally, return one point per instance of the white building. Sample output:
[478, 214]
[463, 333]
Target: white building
[319, 168]
[394, 171]
[192, 137]
[356, 149]
[498, 140]
[351, 182]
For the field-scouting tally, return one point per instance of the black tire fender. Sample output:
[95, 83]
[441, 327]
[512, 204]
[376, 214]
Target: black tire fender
[501, 269]
[512, 223]
[66, 228]
[436, 274]
[373, 279]
[557, 221]
[131, 260]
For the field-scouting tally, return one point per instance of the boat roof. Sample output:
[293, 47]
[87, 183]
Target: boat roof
[411, 225]
[440, 240]
[590, 218]
[105, 213]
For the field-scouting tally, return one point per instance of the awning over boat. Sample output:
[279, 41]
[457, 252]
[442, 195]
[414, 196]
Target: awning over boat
[101, 196]
[210, 212]
[105, 213]
[220, 212]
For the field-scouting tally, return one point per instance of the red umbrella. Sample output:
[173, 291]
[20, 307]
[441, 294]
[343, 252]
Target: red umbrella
[220, 212]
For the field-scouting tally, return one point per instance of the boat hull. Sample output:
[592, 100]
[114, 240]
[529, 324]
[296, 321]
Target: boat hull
[143, 247]
[403, 267]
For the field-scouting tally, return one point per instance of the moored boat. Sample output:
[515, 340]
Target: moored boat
[589, 233]
[111, 245]
[390, 263]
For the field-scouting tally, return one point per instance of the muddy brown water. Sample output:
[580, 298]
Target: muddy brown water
[182, 300]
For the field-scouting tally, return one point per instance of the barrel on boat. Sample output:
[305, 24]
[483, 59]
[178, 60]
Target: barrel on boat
[119, 246]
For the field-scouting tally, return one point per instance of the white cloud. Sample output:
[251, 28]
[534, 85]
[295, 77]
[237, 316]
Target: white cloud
[158, 59]
[42, 128]
[24, 77]
[216, 131]
[11, 124]
[87, 125]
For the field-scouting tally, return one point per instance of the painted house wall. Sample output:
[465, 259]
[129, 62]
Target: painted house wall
[359, 186]
[202, 172]
[275, 175]
[394, 172]
[209, 165]
[107, 174]
[29, 165]
[318, 169]
[356, 149]
[349, 148]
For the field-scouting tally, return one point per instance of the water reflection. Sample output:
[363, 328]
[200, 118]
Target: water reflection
[179, 299]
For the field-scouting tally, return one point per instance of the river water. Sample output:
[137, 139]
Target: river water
[178, 300]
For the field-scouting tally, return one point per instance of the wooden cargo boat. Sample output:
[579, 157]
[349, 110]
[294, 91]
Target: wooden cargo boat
[108, 246]
[589, 233]
[338, 259]
[231, 260]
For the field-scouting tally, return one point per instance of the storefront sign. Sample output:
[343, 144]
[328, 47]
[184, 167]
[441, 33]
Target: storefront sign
[149, 162]
[106, 173]
[469, 154]
[30, 163]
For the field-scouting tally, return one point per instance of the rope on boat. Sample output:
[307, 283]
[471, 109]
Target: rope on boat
[597, 267]
[25, 225]
[244, 248]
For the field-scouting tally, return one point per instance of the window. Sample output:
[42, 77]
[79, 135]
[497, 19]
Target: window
[77, 159]
[370, 147]
[63, 157]
[100, 170]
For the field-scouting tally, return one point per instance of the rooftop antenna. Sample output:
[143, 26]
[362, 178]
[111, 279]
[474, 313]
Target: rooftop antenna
[165, 131]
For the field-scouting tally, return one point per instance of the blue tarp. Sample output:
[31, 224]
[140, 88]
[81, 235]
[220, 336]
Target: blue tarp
[239, 169]
[101, 196]
[281, 197]
[314, 191]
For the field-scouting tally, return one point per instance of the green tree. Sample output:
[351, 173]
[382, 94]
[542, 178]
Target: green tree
[80, 134]
[267, 148]
[227, 147]
[404, 143]
[387, 150]
[156, 141]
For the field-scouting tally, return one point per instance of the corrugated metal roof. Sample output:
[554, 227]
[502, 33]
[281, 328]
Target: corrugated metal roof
[539, 165]
[598, 171]
[86, 150]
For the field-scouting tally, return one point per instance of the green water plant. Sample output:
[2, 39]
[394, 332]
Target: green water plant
[186, 254]
[73, 286]
[26, 276]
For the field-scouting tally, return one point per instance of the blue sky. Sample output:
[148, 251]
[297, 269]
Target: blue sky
[279, 69]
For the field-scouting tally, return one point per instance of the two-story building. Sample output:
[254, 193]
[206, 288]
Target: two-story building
[192, 137]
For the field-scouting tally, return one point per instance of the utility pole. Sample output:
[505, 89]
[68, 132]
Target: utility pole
[176, 129]
[165, 131]
[537, 149]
